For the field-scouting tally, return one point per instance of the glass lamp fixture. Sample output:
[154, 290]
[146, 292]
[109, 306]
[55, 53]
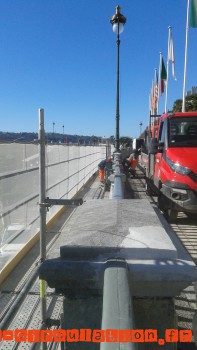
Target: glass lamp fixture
[118, 21]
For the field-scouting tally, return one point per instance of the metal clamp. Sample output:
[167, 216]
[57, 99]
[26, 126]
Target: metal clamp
[49, 202]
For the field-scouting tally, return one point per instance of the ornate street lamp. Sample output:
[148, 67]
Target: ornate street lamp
[118, 21]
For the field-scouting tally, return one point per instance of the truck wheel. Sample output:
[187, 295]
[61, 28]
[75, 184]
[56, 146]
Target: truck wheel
[170, 214]
[192, 216]
[149, 190]
[161, 203]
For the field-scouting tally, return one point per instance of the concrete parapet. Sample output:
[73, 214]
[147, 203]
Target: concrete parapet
[159, 267]
[158, 264]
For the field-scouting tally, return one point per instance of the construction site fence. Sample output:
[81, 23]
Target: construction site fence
[68, 168]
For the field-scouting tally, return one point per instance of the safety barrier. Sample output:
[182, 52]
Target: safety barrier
[68, 168]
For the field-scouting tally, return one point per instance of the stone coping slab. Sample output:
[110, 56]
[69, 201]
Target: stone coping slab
[125, 229]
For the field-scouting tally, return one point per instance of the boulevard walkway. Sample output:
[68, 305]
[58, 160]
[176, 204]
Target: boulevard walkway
[185, 303]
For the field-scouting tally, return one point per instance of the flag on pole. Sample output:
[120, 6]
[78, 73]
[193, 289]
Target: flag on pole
[150, 102]
[193, 14]
[163, 77]
[152, 98]
[155, 90]
[171, 54]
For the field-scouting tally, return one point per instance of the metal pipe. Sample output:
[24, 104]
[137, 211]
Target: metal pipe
[42, 196]
[117, 304]
[117, 189]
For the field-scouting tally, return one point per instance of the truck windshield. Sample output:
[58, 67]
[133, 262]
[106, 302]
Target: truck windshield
[182, 132]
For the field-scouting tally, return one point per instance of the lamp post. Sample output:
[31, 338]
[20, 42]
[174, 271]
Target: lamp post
[118, 21]
[140, 124]
[53, 131]
[63, 132]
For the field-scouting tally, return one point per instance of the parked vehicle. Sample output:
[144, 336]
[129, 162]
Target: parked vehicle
[169, 159]
[137, 143]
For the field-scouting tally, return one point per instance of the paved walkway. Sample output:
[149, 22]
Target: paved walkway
[185, 303]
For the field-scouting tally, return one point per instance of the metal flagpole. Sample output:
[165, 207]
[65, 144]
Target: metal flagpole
[159, 81]
[155, 92]
[150, 102]
[151, 106]
[153, 97]
[166, 100]
[186, 54]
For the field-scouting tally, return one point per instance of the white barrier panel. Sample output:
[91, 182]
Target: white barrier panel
[68, 168]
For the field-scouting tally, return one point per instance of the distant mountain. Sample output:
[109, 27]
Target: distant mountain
[50, 138]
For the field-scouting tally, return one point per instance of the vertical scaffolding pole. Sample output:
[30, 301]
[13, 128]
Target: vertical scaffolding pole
[42, 196]
[42, 185]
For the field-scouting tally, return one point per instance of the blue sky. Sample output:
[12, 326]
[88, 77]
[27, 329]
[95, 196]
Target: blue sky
[60, 55]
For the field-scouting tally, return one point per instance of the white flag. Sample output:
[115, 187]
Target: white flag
[171, 54]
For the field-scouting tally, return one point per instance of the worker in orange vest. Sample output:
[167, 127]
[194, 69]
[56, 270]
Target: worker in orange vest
[133, 162]
[101, 167]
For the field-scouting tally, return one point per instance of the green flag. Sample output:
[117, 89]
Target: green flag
[163, 76]
[193, 14]
[163, 71]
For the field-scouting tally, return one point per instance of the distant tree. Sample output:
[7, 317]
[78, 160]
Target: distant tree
[190, 104]
[112, 139]
[94, 139]
[177, 106]
[125, 140]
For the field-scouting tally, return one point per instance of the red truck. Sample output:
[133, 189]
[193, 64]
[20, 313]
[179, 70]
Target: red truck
[169, 159]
